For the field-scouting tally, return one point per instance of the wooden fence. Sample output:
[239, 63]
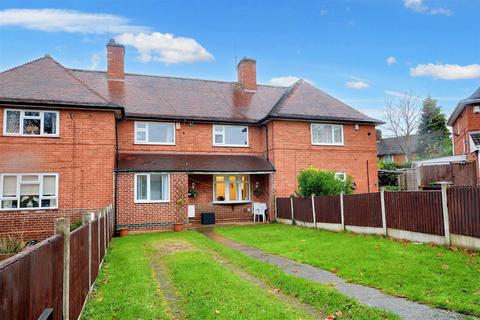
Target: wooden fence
[57, 273]
[446, 216]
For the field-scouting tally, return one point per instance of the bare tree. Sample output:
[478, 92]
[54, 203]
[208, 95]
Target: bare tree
[403, 117]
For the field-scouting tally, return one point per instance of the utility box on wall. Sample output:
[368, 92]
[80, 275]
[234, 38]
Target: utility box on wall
[208, 218]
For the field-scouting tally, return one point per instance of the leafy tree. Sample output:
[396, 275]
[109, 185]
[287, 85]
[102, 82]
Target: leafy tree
[387, 179]
[318, 182]
[434, 140]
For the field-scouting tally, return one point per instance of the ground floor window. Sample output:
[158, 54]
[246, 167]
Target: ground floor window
[152, 187]
[29, 191]
[342, 176]
[231, 188]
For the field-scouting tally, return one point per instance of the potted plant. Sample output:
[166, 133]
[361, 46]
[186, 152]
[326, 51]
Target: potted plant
[122, 232]
[178, 226]
[192, 193]
[10, 246]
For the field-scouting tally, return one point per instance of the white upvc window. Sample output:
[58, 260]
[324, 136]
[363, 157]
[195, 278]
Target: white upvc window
[28, 191]
[230, 136]
[327, 134]
[231, 188]
[388, 158]
[342, 176]
[32, 123]
[152, 187]
[161, 133]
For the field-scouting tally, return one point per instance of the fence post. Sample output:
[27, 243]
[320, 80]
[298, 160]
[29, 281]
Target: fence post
[313, 212]
[291, 209]
[87, 219]
[62, 226]
[104, 213]
[384, 215]
[98, 214]
[275, 207]
[446, 222]
[342, 215]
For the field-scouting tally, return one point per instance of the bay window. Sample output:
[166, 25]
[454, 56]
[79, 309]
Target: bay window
[155, 133]
[327, 134]
[230, 136]
[28, 191]
[30, 123]
[231, 188]
[152, 187]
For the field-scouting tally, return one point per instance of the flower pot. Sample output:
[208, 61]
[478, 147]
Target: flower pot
[177, 227]
[123, 232]
[5, 256]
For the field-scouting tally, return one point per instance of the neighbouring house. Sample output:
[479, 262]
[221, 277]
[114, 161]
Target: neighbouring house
[392, 149]
[465, 123]
[164, 149]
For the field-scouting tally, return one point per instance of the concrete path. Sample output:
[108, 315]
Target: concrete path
[404, 308]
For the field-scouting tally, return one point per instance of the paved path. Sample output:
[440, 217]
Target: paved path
[406, 309]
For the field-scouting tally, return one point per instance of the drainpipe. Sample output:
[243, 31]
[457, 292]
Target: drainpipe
[115, 191]
[266, 141]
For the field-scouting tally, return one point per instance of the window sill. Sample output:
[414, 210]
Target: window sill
[329, 144]
[31, 135]
[231, 146]
[232, 202]
[28, 209]
[156, 143]
[147, 202]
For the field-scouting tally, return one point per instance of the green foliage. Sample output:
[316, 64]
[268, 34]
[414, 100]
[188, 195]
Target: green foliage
[318, 182]
[76, 225]
[386, 165]
[434, 140]
[11, 245]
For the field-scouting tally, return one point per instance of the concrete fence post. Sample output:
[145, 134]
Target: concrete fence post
[104, 213]
[313, 212]
[98, 214]
[291, 208]
[87, 219]
[384, 215]
[446, 222]
[342, 215]
[62, 226]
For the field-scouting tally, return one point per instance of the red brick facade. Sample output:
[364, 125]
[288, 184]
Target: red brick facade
[83, 155]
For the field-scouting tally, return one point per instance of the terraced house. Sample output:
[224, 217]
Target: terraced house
[164, 149]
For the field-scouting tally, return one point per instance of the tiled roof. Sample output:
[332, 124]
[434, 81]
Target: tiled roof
[387, 146]
[165, 162]
[45, 80]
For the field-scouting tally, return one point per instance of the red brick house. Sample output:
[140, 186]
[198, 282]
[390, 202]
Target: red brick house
[76, 140]
[465, 123]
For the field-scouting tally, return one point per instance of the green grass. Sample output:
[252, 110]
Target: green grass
[127, 288]
[432, 275]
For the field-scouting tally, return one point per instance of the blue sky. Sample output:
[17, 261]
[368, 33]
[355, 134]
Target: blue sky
[340, 46]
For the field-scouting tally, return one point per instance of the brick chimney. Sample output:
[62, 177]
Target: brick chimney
[247, 74]
[115, 60]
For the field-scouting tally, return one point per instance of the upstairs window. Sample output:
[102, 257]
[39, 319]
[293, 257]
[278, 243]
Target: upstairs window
[152, 187]
[230, 136]
[162, 133]
[327, 134]
[30, 123]
[28, 191]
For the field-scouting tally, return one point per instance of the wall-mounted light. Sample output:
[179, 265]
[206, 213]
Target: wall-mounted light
[357, 126]
[177, 125]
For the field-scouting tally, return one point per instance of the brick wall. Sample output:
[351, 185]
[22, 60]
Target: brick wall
[144, 216]
[291, 151]
[83, 155]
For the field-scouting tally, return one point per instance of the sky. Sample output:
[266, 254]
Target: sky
[363, 52]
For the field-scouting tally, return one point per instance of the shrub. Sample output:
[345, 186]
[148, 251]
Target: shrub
[11, 245]
[318, 182]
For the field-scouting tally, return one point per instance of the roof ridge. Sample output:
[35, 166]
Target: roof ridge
[289, 90]
[79, 81]
[26, 63]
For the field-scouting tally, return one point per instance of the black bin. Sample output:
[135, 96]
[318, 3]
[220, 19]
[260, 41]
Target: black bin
[208, 218]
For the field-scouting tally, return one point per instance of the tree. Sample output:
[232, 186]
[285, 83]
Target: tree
[314, 181]
[434, 139]
[403, 118]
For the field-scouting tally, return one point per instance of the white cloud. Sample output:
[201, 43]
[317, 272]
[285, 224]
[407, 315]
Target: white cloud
[59, 20]
[391, 60]
[420, 7]
[446, 71]
[394, 93]
[165, 47]
[358, 85]
[287, 81]
[94, 61]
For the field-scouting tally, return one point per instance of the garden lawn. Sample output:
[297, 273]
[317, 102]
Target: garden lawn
[204, 287]
[434, 275]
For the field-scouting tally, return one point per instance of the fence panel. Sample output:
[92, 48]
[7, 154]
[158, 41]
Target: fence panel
[327, 209]
[363, 209]
[418, 211]
[302, 209]
[78, 270]
[284, 211]
[32, 281]
[457, 173]
[464, 210]
[95, 260]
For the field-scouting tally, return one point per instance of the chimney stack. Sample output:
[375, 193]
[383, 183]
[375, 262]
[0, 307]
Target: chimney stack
[115, 60]
[247, 74]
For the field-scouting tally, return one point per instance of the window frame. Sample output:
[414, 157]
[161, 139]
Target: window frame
[147, 123]
[388, 158]
[40, 192]
[227, 188]
[344, 174]
[216, 144]
[342, 143]
[23, 117]
[148, 175]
